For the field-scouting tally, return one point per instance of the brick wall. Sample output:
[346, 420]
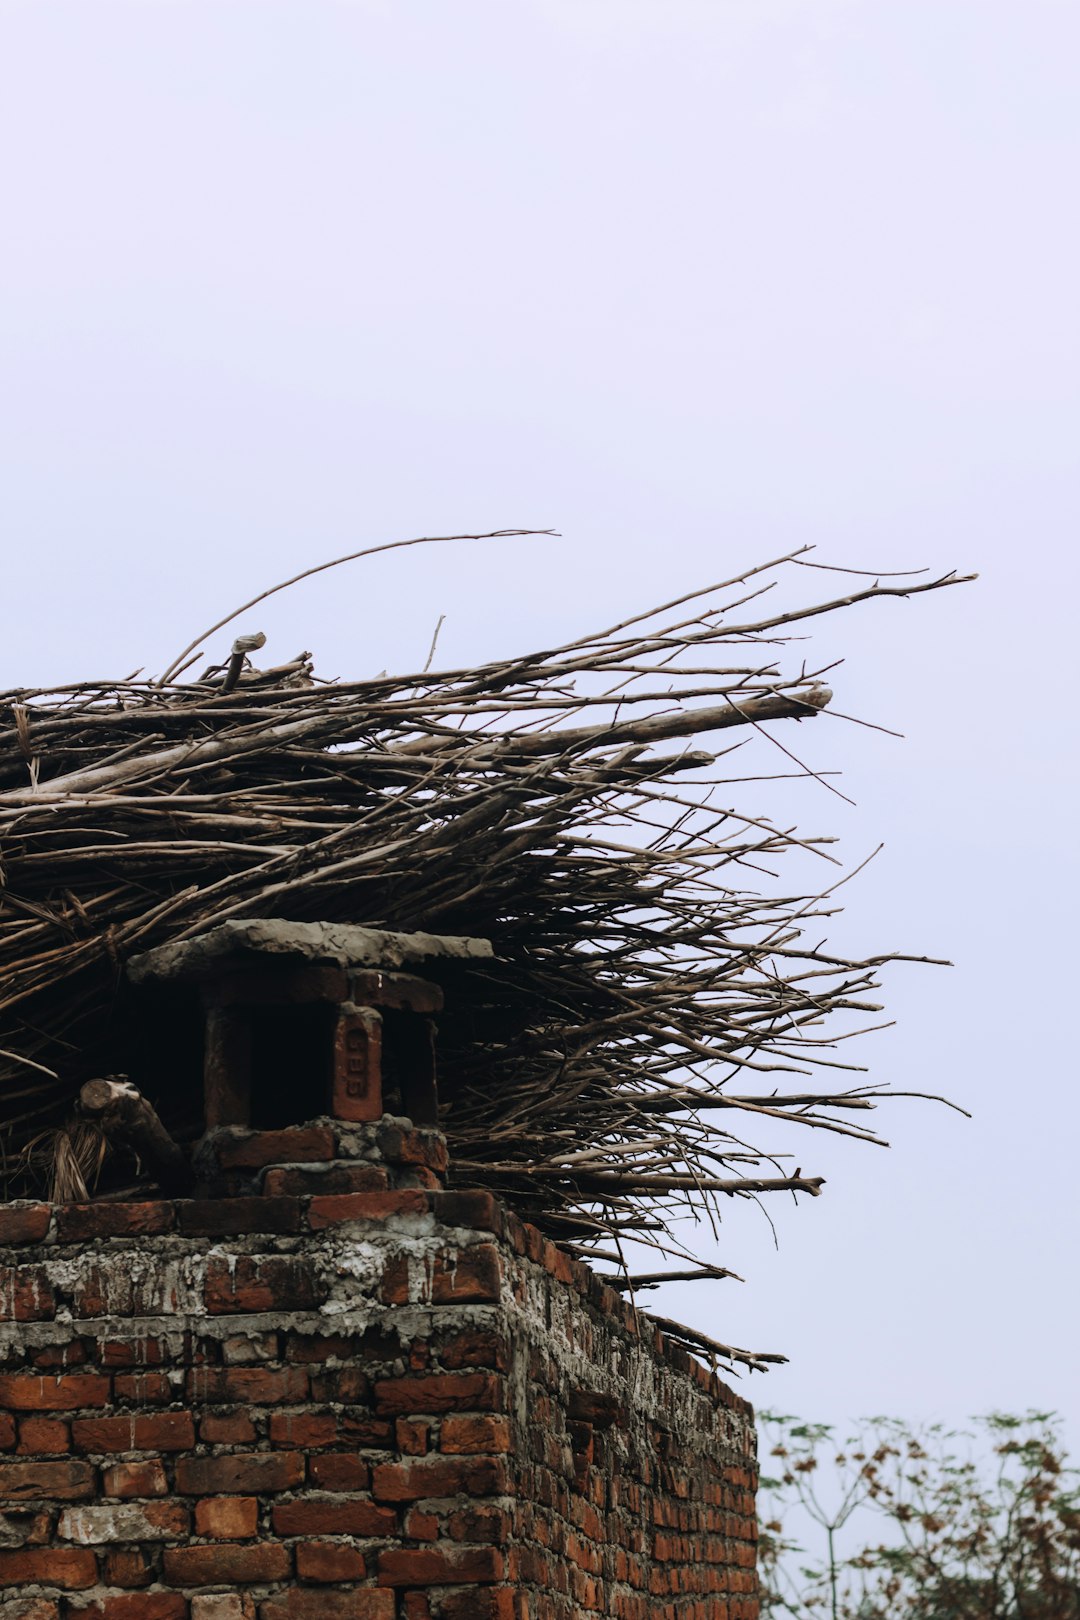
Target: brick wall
[342, 1393]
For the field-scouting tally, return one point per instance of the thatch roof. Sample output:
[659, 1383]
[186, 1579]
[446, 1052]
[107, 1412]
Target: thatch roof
[654, 997]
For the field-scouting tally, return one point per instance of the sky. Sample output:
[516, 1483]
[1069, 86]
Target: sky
[693, 282]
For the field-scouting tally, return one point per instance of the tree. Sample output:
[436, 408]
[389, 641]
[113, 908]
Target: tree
[980, 1524]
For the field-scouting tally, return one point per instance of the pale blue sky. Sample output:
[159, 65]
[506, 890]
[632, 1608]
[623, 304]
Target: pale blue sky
[693, 283]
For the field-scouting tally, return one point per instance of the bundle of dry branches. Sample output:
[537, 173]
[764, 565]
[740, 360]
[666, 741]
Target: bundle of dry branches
[649, 1001]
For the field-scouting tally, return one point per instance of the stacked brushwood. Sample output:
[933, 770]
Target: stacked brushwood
[653, 995]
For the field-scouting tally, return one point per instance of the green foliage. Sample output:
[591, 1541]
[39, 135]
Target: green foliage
[919, 1524]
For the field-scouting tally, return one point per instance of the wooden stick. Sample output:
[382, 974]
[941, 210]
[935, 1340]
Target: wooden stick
[129, 1121]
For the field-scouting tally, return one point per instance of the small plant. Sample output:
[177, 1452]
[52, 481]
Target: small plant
[936, 1524]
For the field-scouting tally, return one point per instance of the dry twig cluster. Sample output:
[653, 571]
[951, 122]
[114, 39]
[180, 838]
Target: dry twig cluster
[650, 1003]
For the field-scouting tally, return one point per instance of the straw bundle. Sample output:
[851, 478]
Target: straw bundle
[654, 997]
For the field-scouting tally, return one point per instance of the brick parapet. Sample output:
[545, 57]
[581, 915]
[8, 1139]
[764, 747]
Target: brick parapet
[396, 1403]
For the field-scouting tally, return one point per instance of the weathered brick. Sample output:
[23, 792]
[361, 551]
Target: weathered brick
[318, 1180]
[24, 1223]
[209, 1566]
[366, 1603]
[263, 1283]
[251, 1472]
[68, 1567]
[227, 1518]
[329, 1561]
[412, 1435]
[499, 1603]
[126, 1566]
[143, 1389]
[440, 1392]
[157, 1431]
[76, 1223]
[222, 1606]
[400, 1145]
[123, 1521]
[475, 1347]
[132, 1606]
[447, 1564]
[253, 1386]
[438, 1476]
[223, 1217]
[473, 1434]
[65, 1481]
[24, 1527]
[332, 1516]
[364, 1206]
[26, 1294]
[50, 1357]
[34, 1608]
[249, 1349]
[253, 1150]
[145, 1478]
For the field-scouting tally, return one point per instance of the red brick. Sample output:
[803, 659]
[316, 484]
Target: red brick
[227, 1518]
[226, 1429]
[445, 1565]
[365, 1603]
[239, 1474]
[141, 1352]
[51, 1356]
[143, 1388]
[252, 1386]
[473, 1434]
[332, 1516]
[412, 1436]
[296, 1180]
[484, 1603]
[399, 1145]
[75, 1223]
[480, 1211]
[24, 1223]
[27, 1392]
[346, 1384]
[322, 1347]
[42, 1437]
[303, 1430]
[422, 1525]
[70, 1567]
[329, 1561]
[66, 1481]
[123, 1521]
[263, 1283]
[440, 1392]
[364, 1206]
[158, 1431]
[7, 1430]
[304, 1145]
[225, 1217]
[209, 1566]
[133, 1606]
[136, 1479]
[339, 1471]
[26, 1295]
[126, 1566]
[468, 1276]
[475, 1347]
[438, 1476]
